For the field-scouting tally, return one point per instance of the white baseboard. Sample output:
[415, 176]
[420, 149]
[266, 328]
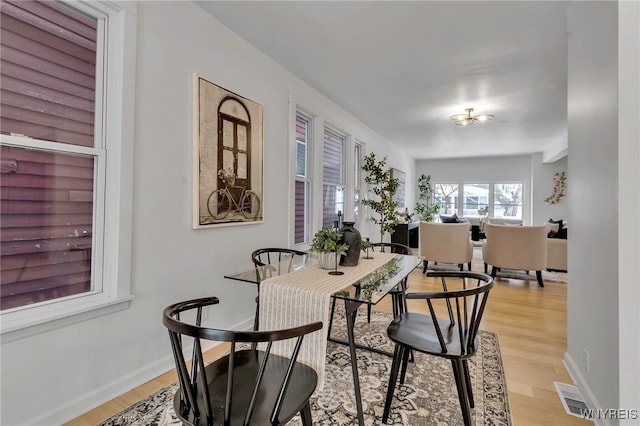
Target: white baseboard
[111, 390]
[579, 380]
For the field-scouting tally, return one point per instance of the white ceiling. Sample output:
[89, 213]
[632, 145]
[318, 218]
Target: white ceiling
[403, 68]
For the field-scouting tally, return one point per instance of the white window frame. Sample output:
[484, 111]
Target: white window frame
[491, 202]
[315, 169]
[113, 183]
[358, 184]
[308, 179]
[343, 166]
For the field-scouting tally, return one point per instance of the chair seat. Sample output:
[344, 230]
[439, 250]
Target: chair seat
[417, 332]
[303, 383]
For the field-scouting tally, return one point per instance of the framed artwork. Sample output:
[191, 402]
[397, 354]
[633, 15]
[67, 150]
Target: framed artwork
[402, 178]
[227, 157]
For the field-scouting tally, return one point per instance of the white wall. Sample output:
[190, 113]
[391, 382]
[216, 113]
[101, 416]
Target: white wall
[629, 203]
[592, 311]
[55, 376]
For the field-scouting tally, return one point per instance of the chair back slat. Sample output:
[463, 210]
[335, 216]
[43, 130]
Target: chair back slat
[285, 382]
[256, 387]
[465, 307]
[436, 326]
[186, 389]
[198, 384]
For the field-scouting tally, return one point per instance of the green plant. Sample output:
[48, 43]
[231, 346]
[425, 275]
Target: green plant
[381, 184]
[426, 209]
[327, 241]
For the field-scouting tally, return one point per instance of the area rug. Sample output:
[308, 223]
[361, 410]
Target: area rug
[428, 396]
[477, 265]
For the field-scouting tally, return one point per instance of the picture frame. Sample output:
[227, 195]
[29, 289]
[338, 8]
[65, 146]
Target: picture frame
[399, 196]
[228, 186]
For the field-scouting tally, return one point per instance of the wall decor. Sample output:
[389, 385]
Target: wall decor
[399, 195]
[558, 188]
[227, 157]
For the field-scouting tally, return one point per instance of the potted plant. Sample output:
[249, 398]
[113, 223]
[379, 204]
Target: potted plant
[381, 184]
[425, 208]
[326, 242]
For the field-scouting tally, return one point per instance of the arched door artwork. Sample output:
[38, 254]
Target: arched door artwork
[234, 145]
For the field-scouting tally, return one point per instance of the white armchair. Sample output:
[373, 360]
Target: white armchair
[516, 247]
[445, 243]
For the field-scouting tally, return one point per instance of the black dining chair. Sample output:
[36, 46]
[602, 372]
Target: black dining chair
[398, 303]
[246, 386]
[455, 337]
[271, 262]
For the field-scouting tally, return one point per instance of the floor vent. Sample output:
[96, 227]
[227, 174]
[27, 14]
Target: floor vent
[572, 400]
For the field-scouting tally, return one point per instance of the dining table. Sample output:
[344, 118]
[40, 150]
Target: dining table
[301, 293]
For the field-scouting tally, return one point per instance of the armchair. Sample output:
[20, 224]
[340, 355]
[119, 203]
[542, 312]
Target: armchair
[446, 243]
[516, 247]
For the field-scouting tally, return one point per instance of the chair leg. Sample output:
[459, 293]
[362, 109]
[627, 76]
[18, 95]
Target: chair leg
[469, 265]
[467, 379]
[305, 415]
[405, 361]
[424, 269]
[393, 378]
[539, 277]
[485, 267]
[462, 390]
[333, 308]
[256, 320]
[494, 271]
[461, 266]
[368, 313]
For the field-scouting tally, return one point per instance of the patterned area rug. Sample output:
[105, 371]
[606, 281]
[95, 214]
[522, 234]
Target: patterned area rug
[477, 265]
[428, 396]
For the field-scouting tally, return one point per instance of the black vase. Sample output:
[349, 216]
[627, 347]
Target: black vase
[351, 237]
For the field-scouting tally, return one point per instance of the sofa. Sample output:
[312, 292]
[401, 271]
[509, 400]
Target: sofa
[556, 245]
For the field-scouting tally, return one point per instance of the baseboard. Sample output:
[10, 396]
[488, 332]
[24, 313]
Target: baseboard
[106, 393]
[579, 380]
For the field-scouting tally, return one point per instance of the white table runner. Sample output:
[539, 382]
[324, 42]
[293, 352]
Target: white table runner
[302, 297]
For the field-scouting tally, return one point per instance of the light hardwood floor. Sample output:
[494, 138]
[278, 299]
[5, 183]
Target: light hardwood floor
[531, 327]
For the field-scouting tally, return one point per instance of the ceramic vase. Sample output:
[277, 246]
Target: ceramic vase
[351, 237]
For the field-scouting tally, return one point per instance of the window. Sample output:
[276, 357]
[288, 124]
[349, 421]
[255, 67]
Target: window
[357, 181]
[333, 180]
[64, 153]
[503, 200]
[302, 179]
[507, 200]
[446, 196]
[476, 196]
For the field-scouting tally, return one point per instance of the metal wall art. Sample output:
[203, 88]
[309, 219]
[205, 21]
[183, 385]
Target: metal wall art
[558, 188]
[227, 157]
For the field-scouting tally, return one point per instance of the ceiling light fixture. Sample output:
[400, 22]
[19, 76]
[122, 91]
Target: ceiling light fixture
[467, 119]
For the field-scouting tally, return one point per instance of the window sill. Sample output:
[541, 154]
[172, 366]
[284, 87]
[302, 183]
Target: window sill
[27, 322]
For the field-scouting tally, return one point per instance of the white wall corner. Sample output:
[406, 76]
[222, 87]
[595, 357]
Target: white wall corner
[555, 151]
[582, 384]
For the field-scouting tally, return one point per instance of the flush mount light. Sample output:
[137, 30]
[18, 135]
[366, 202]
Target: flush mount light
[467, 119]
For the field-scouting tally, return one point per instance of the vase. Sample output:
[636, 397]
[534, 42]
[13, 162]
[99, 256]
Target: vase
[327, 260]
[351, 237]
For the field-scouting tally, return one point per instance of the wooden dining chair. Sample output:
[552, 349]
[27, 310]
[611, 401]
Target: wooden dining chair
[454, 338]
[246, 386]
[271, 262]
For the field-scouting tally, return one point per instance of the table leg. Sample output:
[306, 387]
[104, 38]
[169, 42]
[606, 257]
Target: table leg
[351, 309]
